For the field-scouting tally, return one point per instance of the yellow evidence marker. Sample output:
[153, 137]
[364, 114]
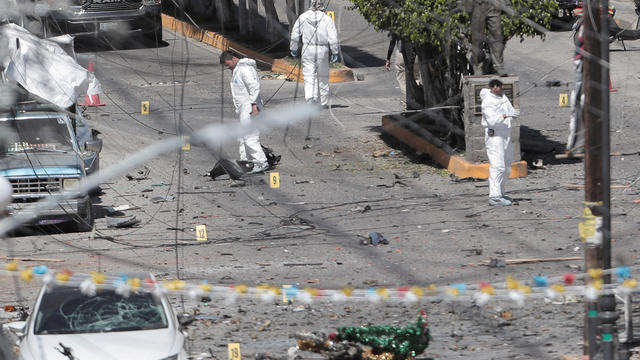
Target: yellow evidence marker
[274, 180]
[332, 15]
[144, 108]
[185, 143]
[201, 232]
[564, 100]
[234, 351]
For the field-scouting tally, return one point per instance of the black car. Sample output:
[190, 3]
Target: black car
[92, 17]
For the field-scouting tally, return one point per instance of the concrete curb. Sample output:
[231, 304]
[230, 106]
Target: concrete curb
[455, 164]
[216, 40]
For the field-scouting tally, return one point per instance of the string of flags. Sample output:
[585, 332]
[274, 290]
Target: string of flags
[481, 294]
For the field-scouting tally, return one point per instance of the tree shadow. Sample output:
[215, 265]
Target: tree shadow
[535, 146]
[415, 157]
[358, 58]
[116, 41]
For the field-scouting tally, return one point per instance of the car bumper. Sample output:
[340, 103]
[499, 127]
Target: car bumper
[66, 210]
[79, 22]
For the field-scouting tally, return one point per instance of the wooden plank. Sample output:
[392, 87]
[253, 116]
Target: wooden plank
[534, 260]
[30, 259]
[580, 186]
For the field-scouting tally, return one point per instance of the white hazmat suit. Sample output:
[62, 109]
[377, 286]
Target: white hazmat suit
[245, 89]
[497, 112]
[319, 35]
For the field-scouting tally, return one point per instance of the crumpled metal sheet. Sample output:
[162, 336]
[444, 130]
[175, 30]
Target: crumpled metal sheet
[44, 68]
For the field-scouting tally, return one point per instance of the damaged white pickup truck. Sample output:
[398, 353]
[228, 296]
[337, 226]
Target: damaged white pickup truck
[46, 147]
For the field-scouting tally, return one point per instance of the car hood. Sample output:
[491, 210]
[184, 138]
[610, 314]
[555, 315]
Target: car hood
[124, 345]
[41, 164]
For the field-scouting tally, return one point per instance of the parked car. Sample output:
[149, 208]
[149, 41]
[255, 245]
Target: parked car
[47, 151]
[106, 325]
[90, 17]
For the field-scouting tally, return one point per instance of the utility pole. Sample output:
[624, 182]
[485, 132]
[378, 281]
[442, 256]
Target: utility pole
[592, 80]
[600, 332]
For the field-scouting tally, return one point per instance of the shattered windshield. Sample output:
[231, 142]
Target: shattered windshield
[65, 310]
[36, 135]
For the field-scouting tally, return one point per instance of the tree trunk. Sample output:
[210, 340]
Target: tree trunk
[273, 23]
[253, 16]
[224, 14]
[242, 17]
[440, 74]
[302, 6]
[291, 14]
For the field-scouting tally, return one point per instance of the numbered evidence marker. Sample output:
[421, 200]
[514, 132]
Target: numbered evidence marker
[185, 143]
[564, 100]
[234, 351]
[144, 108]
[201, 232]
[274, 180]
[332, 15]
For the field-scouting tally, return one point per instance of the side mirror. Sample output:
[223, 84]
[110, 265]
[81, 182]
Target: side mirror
[93, 145]
[17, 328]
[185, 319]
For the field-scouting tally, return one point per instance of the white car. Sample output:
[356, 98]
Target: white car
[66, 324]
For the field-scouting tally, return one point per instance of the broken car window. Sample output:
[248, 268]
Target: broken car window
[65, 310]
[34, 135]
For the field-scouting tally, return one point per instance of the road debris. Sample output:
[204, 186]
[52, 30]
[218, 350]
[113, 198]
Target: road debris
[30, 259]
[496, 262]
[140, 174]
[159, 199]
[581, 186]
[302, 264]
[377, 238]
[121, 221]
[125, 207]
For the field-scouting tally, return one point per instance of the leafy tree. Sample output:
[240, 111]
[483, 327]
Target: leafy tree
[437, 33]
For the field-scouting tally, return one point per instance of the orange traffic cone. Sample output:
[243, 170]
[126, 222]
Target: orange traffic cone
[94, 100]
[611, 89]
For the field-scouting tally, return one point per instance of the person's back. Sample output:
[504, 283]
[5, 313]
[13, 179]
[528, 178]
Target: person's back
[319, 36]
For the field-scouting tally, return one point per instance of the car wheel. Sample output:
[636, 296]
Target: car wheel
[84, 223]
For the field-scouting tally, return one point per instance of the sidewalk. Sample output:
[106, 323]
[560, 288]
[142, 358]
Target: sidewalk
[291, 71]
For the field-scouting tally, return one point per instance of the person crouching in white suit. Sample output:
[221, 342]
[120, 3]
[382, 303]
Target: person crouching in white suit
[497, 112]
[245, 90]
[319, 36]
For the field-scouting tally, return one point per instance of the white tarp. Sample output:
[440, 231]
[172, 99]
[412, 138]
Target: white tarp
[43, 68]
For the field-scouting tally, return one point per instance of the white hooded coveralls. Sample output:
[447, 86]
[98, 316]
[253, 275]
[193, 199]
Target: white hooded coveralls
[499, 146]
[318, 36]
[245, 90]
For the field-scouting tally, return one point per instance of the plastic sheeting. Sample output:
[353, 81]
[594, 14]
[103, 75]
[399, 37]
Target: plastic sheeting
[43, 67]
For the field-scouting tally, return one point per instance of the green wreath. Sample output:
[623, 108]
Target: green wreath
[403, 343]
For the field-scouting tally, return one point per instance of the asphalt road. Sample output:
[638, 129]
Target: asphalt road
[339, 180]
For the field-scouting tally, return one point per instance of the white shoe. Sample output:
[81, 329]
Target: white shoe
[259, 168]
[499, 201]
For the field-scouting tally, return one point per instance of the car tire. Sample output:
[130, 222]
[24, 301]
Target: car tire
[84, 223]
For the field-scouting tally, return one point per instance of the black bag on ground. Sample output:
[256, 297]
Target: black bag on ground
[238, 168]
[272, 158]
[235, 169]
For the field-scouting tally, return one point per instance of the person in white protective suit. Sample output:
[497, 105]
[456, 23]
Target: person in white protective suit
[497, 112]
[245, 90]
[319, 35]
